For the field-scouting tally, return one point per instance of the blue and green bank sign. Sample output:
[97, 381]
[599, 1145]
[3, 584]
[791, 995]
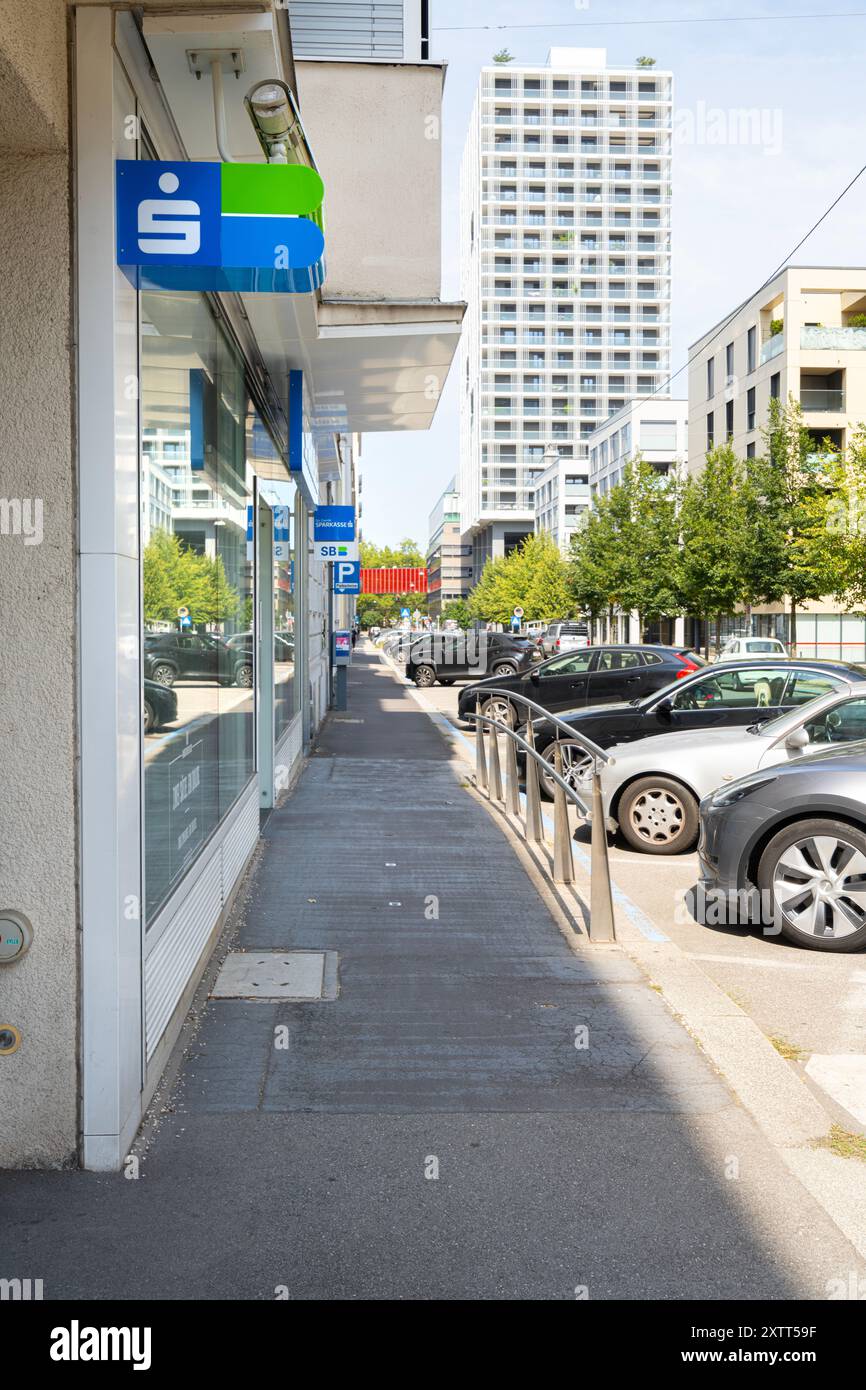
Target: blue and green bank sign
[243, 227]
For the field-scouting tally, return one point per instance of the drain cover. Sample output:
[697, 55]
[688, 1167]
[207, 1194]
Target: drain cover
[271, 975]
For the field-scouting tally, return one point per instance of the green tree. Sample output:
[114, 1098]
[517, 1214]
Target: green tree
[503, 56]
[792, 492]
[547, 594]
[457, 611]
[713, 523]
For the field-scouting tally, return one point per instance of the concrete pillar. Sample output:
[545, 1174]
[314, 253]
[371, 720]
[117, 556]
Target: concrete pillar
[39, 1083]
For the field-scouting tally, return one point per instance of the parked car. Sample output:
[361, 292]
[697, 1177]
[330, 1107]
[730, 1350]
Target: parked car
[593, 676]
[652, 789]
[757, 648]
[796, 832]
[446, 656]
[171, 656]
[736, 694]
[284, 644]
[566, 636]
[160, 706]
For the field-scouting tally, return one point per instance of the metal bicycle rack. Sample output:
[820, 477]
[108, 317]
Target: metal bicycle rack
[488, 778]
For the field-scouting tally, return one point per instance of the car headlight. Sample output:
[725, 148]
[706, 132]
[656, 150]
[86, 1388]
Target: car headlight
[728, 796]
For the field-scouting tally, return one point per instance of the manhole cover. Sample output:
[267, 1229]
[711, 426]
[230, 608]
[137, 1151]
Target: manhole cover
[271, 975]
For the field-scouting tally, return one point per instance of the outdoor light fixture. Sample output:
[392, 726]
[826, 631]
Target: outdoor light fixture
[274, 115]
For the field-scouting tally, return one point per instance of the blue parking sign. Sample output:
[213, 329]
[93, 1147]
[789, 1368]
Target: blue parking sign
[347, 576]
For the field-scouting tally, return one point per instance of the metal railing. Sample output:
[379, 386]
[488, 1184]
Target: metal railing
[488, 778]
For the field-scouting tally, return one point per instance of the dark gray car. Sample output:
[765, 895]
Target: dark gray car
[786, 847]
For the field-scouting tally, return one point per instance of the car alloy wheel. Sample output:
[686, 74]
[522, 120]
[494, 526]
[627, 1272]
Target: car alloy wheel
[501, 709]
[244, 676]
[659, 816]
[815, 873]
[424, 677]
[163, 673]
[575, 762]
[149, 717]
[504, 670]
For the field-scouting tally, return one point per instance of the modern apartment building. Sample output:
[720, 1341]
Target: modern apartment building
[449, 559]
[565, 261]
[800, 337]
[656, 428]
[561, 497]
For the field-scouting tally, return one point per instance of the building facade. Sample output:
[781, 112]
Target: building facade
[800, 337]
[656, 428]
[561, 497]
[565, 198]
[449, 558]
[162, 458]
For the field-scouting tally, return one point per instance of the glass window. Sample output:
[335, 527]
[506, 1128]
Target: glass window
[618, 661]
[282, 497]
[571, 665]
[842, 723]
[734, 689]
[804, 686]
[198, 652]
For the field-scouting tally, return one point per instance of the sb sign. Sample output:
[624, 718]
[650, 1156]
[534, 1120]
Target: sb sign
[240, 227]
[337, 550]
[347, 576]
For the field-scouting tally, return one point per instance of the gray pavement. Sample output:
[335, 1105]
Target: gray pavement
[625, 1166]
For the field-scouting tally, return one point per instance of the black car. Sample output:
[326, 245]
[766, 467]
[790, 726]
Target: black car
[171, 656]
[725, 694]
[785, 849]
[588, 676]
[160, 706]
[446, 656]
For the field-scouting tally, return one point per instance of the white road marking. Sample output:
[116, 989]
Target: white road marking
[749, 960]
[843, 1077]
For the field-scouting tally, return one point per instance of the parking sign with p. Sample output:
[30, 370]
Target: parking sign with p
[347, 576]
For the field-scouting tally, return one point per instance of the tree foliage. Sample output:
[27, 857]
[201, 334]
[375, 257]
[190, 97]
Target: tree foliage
[175, 576]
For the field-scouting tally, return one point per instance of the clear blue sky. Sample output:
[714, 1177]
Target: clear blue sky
[738, 208]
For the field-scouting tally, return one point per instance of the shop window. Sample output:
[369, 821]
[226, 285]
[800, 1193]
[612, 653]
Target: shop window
[198, 650]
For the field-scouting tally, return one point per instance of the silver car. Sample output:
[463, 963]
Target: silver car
[652, 789]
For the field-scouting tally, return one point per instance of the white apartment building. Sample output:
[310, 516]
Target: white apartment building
[565, 197]
[656, 428]
[449, 559]
[799, 336]
[561, 498]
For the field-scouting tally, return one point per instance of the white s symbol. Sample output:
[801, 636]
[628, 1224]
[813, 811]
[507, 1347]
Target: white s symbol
[159, 234]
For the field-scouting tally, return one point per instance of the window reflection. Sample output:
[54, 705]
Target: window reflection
[198, 652]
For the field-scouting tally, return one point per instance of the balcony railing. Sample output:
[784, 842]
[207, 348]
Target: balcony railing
[842, 339]
[772, 347]
[815, 398]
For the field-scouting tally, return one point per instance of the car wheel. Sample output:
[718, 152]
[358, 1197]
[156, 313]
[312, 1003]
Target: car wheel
[814, 873]
[163, 673]
[575, 761]
[424, 677]
[149, 717]
[659, 816]
[497, 707]
[244, 675]
[503, 670]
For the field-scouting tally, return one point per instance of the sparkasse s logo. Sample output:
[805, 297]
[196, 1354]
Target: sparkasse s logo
[77, 1343]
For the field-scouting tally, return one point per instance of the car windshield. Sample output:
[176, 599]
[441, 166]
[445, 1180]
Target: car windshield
[773, 727]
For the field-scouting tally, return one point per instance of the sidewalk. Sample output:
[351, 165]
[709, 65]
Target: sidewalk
[625, 1167]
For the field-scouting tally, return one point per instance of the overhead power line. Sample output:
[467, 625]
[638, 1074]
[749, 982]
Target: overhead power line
[646, 23]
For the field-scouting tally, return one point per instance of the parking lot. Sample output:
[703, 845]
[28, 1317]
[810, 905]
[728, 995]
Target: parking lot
[811, 1005]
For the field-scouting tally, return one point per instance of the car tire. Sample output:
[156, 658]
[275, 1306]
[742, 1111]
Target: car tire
[504, 669]
[244, 675]
[497, 707]
[150, 721]
[164, 674]
[424, 677]
[569, 749]
[658, 815]
[780, 863]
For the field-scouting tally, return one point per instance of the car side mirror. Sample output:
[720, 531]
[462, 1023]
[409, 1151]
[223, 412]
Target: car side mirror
[664, 708]
[534, 677]
[797, 740]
